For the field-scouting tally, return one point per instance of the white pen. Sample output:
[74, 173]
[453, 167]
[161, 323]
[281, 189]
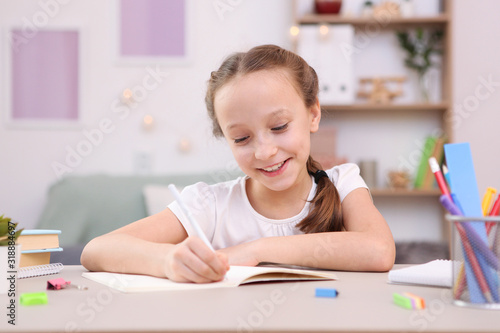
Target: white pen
[196, 227]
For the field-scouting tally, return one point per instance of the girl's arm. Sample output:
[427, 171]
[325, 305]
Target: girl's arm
[366, 245]
[157, 245]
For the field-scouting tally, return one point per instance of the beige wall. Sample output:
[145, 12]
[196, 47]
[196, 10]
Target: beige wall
[476, 56]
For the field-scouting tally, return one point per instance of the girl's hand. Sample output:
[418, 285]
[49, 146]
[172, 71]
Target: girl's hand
[193, 261]
[242, 254]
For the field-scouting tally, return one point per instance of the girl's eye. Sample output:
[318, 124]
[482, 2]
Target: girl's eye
[280, 128]
[240, 140]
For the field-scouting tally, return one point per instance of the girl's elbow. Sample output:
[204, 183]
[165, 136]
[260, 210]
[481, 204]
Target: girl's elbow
[87, 258]
[388, 256]
[385, 256]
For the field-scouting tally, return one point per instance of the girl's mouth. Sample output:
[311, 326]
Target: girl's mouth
[275, 169]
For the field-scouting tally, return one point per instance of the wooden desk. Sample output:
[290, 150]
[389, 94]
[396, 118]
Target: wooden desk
[364, 305]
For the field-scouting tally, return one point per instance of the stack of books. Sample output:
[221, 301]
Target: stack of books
[37, 245]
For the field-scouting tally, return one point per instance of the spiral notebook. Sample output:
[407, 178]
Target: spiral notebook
[39, 270]
[434, 273]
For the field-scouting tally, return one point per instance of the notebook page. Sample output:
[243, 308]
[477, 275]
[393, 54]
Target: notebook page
[234, 277]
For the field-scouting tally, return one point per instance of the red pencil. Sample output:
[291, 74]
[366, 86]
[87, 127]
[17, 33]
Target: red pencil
[436, 170]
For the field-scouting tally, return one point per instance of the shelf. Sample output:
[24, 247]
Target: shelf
[388, 107]
[389, 192]
[388, 114]
[359, 21]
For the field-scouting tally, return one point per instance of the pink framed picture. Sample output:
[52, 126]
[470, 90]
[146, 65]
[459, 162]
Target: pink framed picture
[43, 78]
[153, 31]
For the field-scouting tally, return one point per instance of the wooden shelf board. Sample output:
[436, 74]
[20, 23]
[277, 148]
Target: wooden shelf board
[388, 107]
[389, 192]
[359, 21]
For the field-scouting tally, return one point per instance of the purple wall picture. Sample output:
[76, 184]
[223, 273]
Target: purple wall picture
[45, 77]
[152, 29]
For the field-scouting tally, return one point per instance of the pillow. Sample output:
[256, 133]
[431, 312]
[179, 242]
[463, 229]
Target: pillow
[157, 198]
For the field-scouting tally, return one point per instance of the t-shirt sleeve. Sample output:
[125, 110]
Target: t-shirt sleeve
[199, 199]
[346, 178]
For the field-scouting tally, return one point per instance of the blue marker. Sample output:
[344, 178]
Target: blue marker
[326, 292]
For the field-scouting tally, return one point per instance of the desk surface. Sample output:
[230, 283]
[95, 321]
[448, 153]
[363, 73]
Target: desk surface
[363, 305]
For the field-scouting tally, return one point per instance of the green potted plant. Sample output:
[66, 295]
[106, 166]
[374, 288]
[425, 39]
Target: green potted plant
[419, 46]
[8, 232]
[9, 252]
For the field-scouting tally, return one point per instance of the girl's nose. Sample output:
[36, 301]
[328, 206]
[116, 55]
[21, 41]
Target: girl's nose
[265, 148]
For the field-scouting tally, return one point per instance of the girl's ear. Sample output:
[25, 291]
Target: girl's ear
[315, 116]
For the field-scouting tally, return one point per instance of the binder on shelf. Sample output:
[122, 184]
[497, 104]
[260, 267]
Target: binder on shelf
[423, 167]
[438, 153]
[324, 48]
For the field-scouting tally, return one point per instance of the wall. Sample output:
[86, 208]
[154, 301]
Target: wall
[476, 103]
[219, 28]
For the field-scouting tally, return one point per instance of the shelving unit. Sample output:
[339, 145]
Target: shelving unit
[441, 108]
[358, 21]
[388, 192]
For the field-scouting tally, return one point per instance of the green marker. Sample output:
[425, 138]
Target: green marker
[402, 301]
[33, 298]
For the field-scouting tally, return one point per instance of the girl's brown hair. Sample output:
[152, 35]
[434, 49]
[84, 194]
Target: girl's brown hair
[326, 213]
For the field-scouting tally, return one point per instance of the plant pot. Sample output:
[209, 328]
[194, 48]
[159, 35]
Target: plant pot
[328, 6]
[9, 262]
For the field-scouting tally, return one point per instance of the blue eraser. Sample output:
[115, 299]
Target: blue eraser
[326, 292]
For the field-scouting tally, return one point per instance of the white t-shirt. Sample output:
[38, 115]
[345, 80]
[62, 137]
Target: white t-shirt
[227, 218]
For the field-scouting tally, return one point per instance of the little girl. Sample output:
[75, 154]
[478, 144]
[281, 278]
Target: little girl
[286, 209]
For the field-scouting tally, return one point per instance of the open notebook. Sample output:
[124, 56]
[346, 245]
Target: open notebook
[434, 273]
[236, 276]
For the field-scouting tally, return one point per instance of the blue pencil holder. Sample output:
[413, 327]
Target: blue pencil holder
[475, 254]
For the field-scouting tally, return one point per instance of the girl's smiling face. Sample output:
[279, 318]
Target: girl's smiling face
[267, 125]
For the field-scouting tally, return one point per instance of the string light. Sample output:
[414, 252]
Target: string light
[184, 145]
[294, 31]
[148, 122]
[323, 30]
[127, 93]
[127, 96]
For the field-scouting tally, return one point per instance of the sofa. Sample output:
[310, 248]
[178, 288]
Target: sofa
[86, 206]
